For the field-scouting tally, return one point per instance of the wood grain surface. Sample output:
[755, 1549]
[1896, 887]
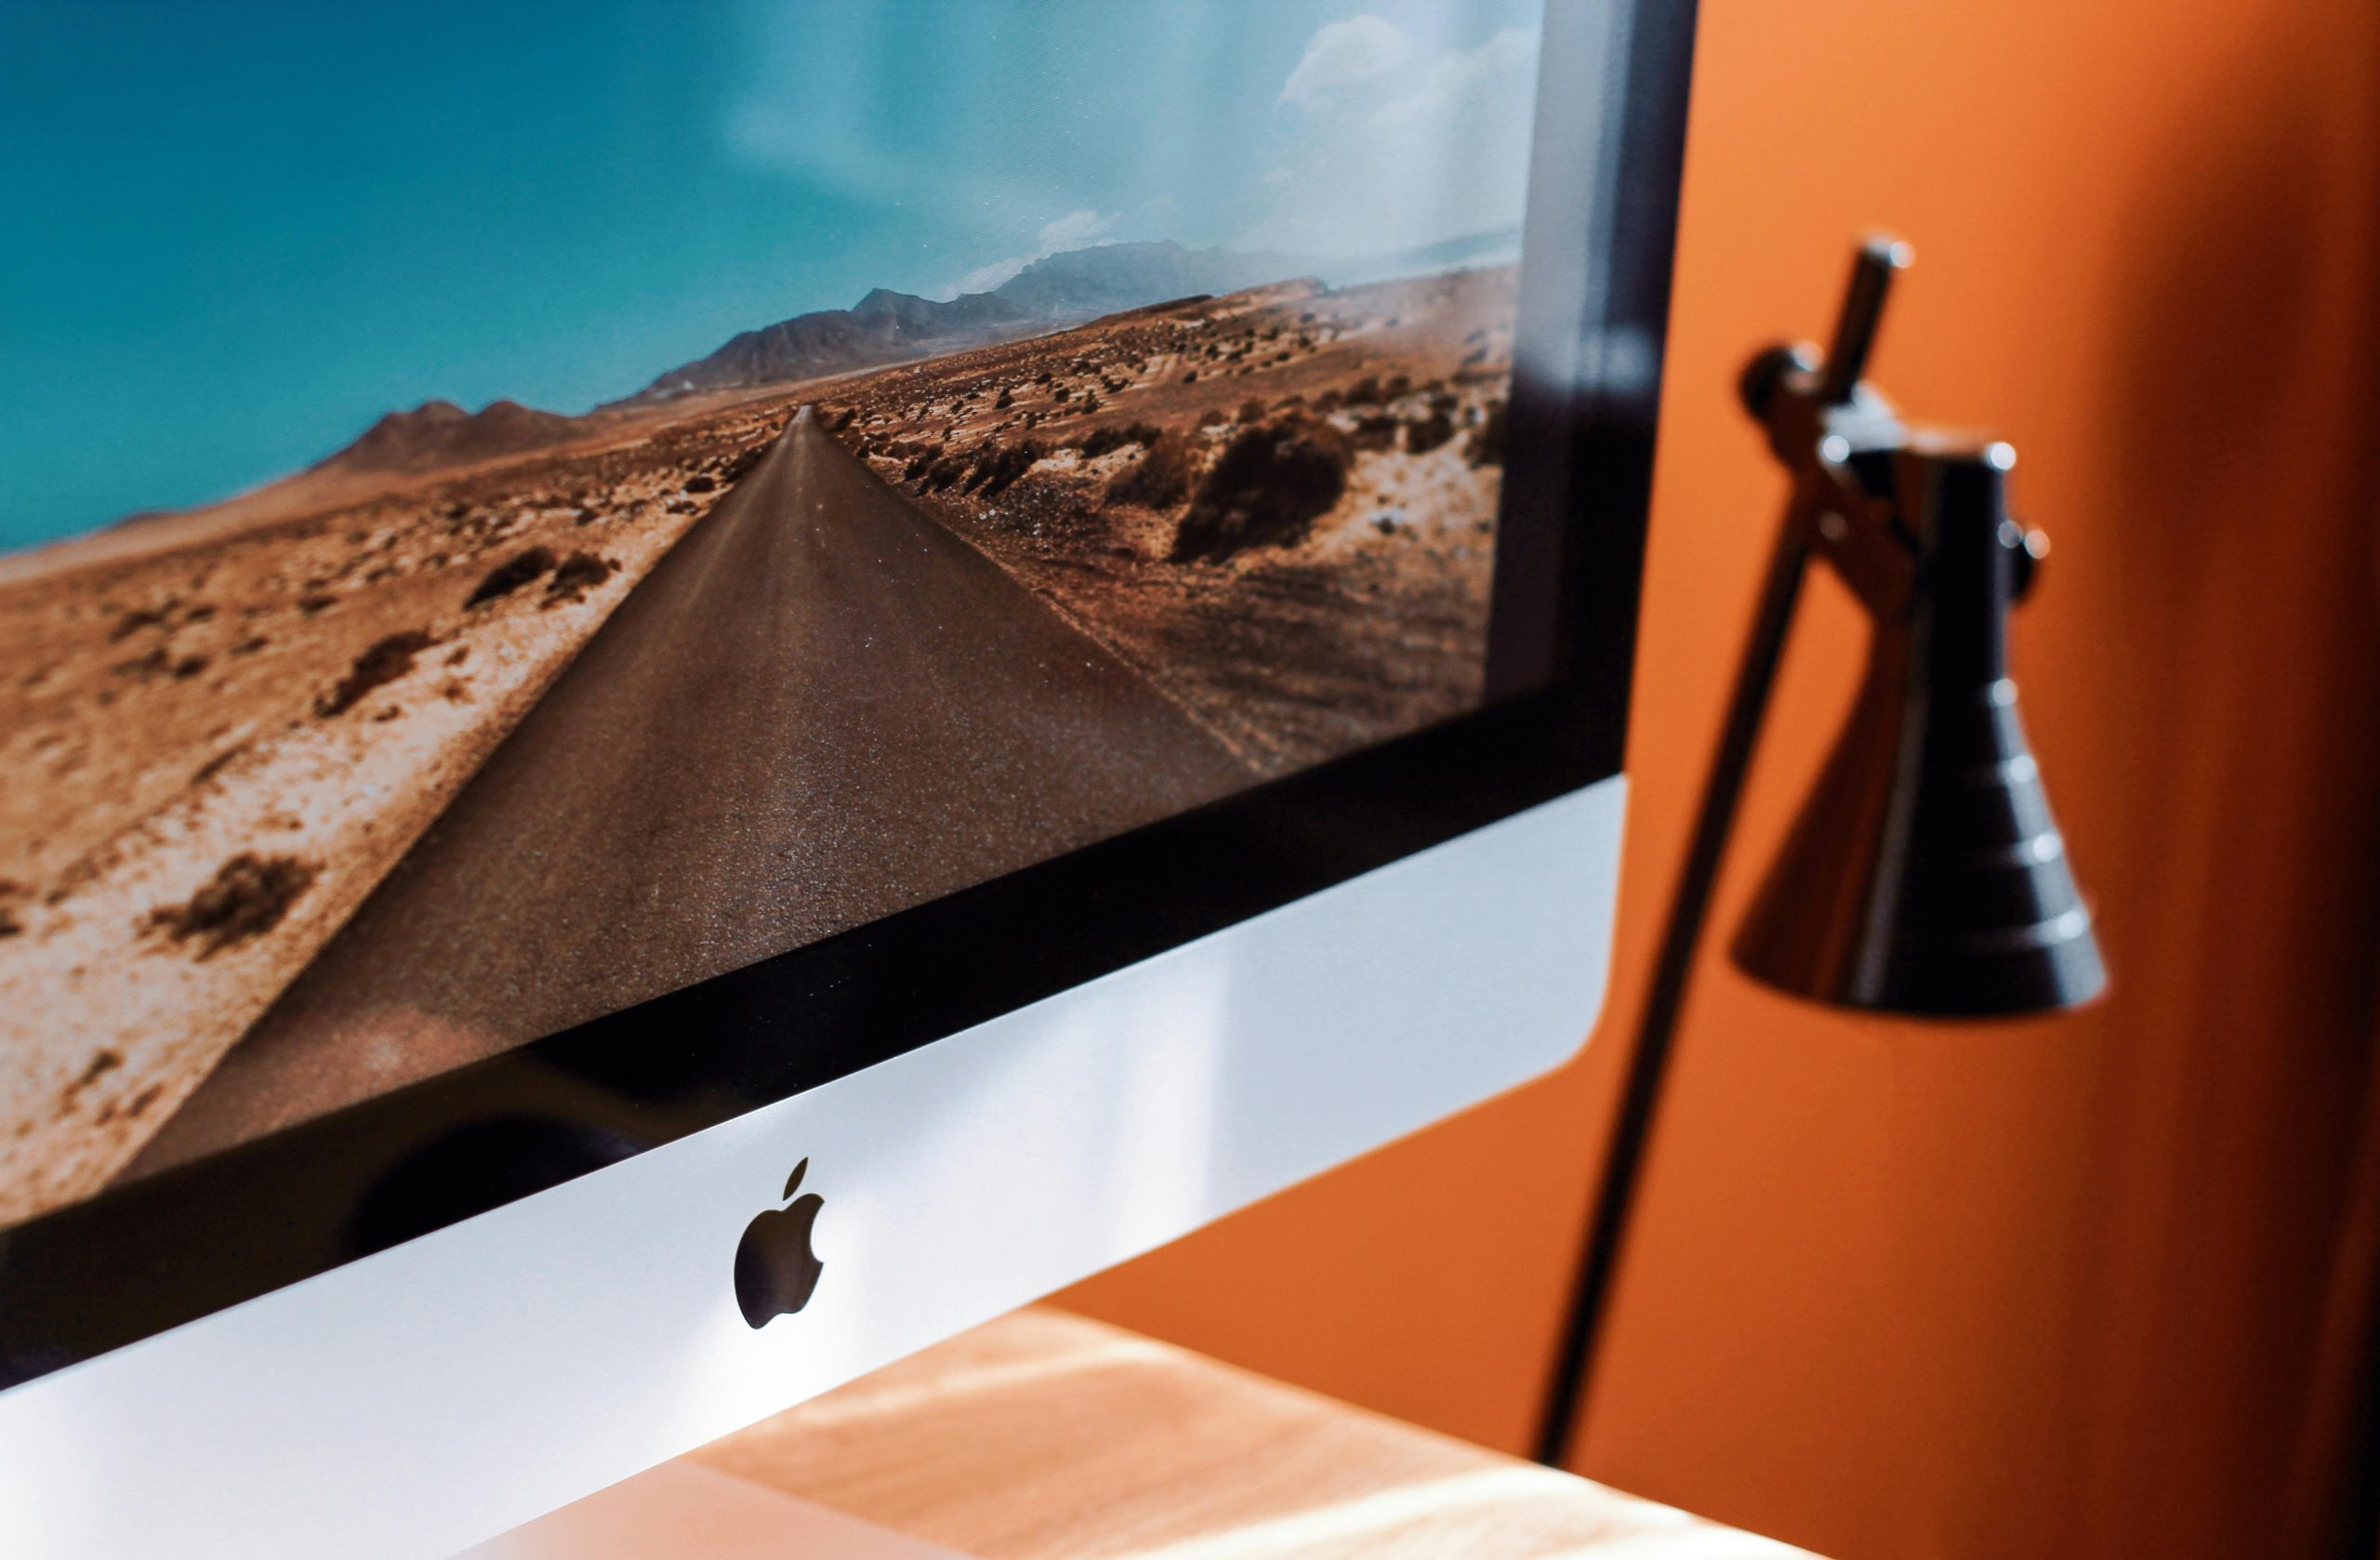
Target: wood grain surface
[1047, 1437]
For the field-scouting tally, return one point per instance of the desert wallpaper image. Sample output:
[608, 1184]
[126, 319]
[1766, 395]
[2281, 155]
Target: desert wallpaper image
[404, 680]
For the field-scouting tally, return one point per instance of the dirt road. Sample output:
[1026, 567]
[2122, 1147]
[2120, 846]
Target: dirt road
[822, 707]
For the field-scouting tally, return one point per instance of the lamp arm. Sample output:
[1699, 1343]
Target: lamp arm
[1648, 1060]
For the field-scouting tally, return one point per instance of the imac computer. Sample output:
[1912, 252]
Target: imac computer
[692, 695]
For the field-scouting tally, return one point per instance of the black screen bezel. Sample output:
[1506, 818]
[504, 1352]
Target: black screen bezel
[169, 1248]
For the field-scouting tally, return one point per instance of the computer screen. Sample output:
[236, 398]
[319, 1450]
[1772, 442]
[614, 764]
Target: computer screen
[501, 535]
[572, 573]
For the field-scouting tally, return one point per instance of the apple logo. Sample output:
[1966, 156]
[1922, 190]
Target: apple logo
[775, 1269]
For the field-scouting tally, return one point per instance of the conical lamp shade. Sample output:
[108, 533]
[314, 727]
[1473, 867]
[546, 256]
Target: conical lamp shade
[1925, 875]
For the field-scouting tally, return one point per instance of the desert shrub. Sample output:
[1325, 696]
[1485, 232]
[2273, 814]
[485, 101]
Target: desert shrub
[387, 660]
[1159, 480]
[510, 576]
[1374, 430]
[1364, 391]
[160, 662]
[944, 472]
[577, 575]
[1064, 393]
[131, 621]
[998, 465]
[153, 664]
[1427, 433]
[247, 896]
[1251, 410]
[1397, 386]
[1485, 446]
[1003, 401]
[700, 483]
[1104, 440]
[1213, 416]
[1267, 489]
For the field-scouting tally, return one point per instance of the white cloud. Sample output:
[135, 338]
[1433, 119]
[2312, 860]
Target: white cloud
[1072, 231]
[1340, 54]
[1434, 150]
[1461, 84]
[1076, 229]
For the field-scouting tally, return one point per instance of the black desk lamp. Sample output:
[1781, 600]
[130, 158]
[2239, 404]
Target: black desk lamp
[1924, 876]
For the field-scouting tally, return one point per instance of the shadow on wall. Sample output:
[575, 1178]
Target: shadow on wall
[2242, 666]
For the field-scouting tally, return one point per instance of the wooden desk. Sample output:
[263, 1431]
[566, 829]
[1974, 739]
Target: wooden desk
[1044, 1435]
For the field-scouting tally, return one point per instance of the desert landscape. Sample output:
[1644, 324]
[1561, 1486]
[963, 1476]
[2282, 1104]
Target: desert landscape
[1033, 582]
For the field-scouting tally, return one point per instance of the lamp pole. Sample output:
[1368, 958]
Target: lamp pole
[1830, 425]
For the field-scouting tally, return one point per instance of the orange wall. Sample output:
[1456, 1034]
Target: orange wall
[2043, 1288]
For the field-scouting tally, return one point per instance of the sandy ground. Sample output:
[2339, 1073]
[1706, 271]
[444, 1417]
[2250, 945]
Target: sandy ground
[222, 730]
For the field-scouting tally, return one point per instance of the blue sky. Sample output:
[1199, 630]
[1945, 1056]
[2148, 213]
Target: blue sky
[236, 233]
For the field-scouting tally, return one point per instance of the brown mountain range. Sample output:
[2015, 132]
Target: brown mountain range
[883, 327]
[438, 433]
[886, 326]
